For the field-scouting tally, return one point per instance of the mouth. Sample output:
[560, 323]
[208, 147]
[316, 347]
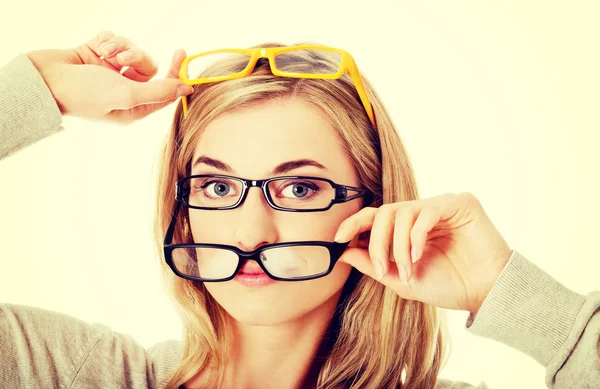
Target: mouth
[253, 276]
[251, 270]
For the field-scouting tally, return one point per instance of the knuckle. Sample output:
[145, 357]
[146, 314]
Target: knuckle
[362, 215]
[153, 70]
[152, 66]
[384, 211]
[367, 211]
[441, 198]
[405, 212]
[469, 197]
[432, 210]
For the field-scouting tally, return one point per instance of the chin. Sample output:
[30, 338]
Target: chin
[263, 315]
[278, 303]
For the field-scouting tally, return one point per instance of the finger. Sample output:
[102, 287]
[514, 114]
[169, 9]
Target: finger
[178, 58]
[359, 222]
[110, 48]
[127, 116]
[428, 218]
[137, 112]
[141, 65]
[381, 236]
[448, 204]
[360, 259]
[106, 45]
[154, 91]
[89, 52]
[404, 221]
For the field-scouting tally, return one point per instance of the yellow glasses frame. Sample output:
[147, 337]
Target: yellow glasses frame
[347, 65]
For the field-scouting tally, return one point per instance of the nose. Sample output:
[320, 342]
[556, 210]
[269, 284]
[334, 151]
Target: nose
[255, 224]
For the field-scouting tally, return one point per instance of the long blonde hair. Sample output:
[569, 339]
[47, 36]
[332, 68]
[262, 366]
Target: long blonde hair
[378, 339]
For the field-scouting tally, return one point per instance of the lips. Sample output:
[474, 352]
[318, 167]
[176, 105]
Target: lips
[247, 268]
[251, 275]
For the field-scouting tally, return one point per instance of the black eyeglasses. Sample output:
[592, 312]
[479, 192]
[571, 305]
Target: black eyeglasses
[288, 193]
[288, 261]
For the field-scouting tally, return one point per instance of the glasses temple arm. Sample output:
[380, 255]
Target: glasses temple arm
[171, 229]
[342, 193]
[184, 103]
[362, 91]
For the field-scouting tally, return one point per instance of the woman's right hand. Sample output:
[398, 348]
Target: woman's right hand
[87, 82]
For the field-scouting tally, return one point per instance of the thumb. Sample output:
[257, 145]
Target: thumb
[156, 91]
[359, 258]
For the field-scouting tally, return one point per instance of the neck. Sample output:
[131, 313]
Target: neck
[284, 356]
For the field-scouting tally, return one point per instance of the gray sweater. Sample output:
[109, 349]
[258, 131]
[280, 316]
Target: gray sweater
[526, 309]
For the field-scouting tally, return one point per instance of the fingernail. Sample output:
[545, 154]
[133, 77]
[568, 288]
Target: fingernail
[378, 270]
[183, 90]
[402, 272]
[108, 48]
[126, 55]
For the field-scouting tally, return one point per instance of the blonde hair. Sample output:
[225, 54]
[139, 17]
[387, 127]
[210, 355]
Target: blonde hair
[378, 339]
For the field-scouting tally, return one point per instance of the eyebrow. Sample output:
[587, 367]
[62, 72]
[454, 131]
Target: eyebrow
[279, 169]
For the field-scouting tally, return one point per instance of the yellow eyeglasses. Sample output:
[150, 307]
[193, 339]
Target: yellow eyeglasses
[284, 62]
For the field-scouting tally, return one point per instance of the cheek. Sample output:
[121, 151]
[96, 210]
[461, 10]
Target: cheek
[319, 225]
[211, 227]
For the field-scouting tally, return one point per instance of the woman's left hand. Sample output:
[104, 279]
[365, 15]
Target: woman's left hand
[458, 252]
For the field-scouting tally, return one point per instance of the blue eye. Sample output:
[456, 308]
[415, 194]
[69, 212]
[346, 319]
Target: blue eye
[299, 190]
[216, 188]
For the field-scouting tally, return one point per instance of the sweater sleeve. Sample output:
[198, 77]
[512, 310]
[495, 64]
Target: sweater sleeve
[530, 311]
[28, 111]
[46, 349]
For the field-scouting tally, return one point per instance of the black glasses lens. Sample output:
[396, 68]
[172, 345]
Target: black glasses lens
[294, 262]
[205, 263]
[213, 192]
[301, 193]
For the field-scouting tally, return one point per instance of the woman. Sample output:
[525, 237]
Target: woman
[370, 321]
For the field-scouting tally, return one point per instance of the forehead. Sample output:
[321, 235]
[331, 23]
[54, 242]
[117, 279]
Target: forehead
[254, 139]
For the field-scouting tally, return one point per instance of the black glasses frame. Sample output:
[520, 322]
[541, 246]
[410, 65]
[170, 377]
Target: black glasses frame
[335, 252]
[341, 192]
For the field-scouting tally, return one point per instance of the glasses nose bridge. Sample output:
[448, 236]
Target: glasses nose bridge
[262, 53]
[255, 183]
[261, 185]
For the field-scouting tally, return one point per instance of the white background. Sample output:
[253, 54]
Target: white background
[497, 98]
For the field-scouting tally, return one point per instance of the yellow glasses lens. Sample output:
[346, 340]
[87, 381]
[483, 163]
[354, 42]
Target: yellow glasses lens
[221, 64]
[311, 61]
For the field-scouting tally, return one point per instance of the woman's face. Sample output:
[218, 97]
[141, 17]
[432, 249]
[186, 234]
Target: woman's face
[252, 143]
